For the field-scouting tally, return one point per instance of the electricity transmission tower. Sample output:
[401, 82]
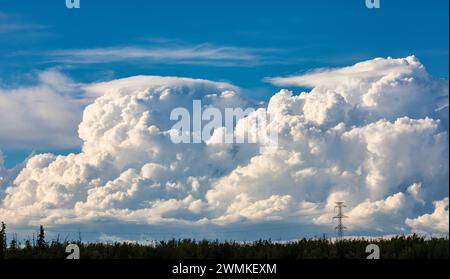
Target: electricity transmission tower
[340, 226]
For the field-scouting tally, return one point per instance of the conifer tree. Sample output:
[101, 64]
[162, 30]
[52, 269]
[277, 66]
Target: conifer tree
[3, 241]
[41, 243]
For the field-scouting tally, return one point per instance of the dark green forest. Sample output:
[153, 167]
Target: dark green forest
[399, 247]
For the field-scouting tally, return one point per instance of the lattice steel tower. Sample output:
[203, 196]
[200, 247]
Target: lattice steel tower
[340, 227]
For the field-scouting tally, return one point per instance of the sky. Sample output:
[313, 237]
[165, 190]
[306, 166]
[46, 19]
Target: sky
[55, 62]
[256, 39]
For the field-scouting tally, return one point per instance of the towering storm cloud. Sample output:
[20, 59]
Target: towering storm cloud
[374, 135]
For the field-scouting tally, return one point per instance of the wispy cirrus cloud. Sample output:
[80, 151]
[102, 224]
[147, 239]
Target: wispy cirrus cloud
[14, 23]
[167, 53]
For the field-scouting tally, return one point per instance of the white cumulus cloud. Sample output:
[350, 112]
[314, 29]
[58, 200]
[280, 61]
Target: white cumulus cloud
[436, 222]
[44, 114]
[374, 135]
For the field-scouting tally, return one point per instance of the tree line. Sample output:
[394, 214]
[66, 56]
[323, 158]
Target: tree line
[398, 247]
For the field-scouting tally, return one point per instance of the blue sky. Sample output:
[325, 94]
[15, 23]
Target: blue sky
[241, 42]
